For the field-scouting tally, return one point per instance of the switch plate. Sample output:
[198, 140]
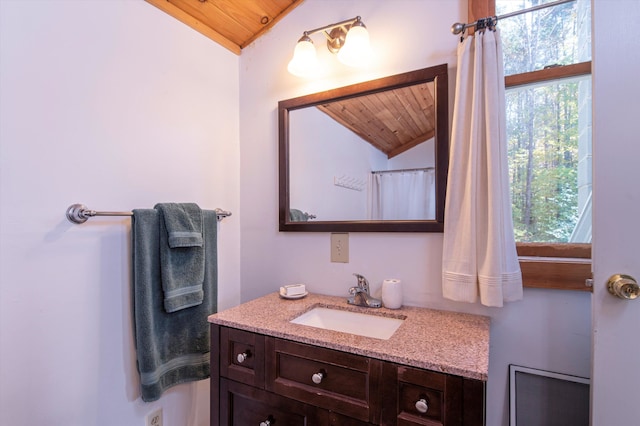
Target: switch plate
[340, 247]
[154, 418]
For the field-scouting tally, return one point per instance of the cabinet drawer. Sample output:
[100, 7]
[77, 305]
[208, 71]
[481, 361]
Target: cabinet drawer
[345, 383]
[438, 395]
[242, 356]
[244, 405]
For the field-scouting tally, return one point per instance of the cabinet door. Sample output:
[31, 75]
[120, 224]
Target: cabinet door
[473, 402]
[243, 405]
[242, 356]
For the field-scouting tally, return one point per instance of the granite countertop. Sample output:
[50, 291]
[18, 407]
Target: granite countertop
[449, 342]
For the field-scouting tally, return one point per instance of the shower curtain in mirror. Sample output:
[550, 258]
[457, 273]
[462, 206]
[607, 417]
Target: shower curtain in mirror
[479, 253]
[402, 195]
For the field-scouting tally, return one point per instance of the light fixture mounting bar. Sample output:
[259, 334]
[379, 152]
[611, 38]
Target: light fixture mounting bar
[336, 38]
[348, 22]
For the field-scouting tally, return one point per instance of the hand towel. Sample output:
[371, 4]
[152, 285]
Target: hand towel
[181, 254]
[171, 348]
[183, 222]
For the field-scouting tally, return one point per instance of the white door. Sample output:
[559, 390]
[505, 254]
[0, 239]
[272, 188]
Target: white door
[616, 211]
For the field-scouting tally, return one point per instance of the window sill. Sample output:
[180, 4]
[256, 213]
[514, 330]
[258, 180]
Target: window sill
[555, 266]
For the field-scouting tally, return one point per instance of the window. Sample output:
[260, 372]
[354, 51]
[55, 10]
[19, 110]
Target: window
[548, 106]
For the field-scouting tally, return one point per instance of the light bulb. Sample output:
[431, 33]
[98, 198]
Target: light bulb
[356, 51]
[304, 61]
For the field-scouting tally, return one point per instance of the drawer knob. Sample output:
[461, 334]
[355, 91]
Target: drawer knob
[270, 421]
[243, 357]
[422, 406]
[317, 378]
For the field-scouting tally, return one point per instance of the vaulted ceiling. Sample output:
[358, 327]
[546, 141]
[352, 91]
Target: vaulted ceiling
[393, 121]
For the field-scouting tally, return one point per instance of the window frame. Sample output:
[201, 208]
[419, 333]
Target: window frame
[562, 266]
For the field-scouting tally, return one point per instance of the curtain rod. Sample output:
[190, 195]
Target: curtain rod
[458, 27]
[79, 213]
[422, 169]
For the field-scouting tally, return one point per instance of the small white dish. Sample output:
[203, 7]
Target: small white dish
[297, 296]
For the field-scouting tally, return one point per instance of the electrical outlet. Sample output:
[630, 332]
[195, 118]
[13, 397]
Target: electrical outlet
[154, 418]
[340, 247]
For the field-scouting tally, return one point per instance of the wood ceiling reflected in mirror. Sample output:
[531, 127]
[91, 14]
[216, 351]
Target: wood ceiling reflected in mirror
[393, 121]
[336, 148]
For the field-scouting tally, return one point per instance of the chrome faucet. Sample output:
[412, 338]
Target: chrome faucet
[361, 296]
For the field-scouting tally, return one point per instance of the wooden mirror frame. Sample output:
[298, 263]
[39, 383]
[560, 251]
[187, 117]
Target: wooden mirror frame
[437, 74]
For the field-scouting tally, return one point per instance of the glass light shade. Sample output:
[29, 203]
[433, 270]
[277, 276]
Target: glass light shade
[356, 51]
[304, 61]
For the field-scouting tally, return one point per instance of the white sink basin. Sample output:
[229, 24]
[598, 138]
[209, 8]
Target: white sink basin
[366, 325]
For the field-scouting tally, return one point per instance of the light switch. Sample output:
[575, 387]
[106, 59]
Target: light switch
[340, 247]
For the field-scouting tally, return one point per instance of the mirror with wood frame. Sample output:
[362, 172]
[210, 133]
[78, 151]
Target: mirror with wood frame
[369, 157]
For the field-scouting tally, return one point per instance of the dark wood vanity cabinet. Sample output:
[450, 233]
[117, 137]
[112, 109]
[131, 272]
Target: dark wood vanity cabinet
[266, 381]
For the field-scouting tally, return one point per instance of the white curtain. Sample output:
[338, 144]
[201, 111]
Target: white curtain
[479, 253]
[403, 195]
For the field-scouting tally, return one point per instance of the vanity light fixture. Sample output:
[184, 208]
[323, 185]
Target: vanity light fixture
[348, 39]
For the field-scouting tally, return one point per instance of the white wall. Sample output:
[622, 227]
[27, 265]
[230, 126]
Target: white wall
[548, 330]
[116, 105]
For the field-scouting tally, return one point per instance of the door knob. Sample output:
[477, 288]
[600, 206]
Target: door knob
[623, 286]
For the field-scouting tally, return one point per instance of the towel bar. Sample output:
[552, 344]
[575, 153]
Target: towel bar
[79, 213]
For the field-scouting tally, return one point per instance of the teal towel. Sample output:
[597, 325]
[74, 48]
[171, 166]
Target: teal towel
[183, 222]
[182, 254]
[296, 215]
[171, 348]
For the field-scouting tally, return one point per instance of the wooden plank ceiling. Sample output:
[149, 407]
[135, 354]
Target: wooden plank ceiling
[393, 121]
[234, 24]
